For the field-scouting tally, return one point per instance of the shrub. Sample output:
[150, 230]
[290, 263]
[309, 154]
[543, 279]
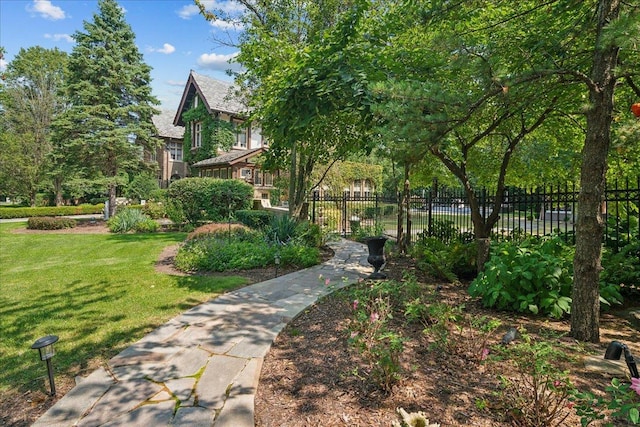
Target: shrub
[433, 257]
[222, 231]
[206, 199]
[127, 220]
[24, 212]
[534, 276]
[254, 218]
[282, 229]
[154, 210]
[141, 187]
[213, 248]
[50, 223]
[146, 226]
[371, 336]
[620, 269]
[540, 393]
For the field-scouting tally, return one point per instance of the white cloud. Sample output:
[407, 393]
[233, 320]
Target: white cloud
[58, 37]
[226, 25]
[166, 48]
[46, 10]
[214, 61]
[188, 11]
[225, 6]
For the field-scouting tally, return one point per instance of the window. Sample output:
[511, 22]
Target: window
[257, 177]
[256, 137]
[175, 150]
[197, 135]
[268, 179]
[245, 174]
[241, 135]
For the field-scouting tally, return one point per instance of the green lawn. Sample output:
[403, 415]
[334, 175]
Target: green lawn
[97, 292]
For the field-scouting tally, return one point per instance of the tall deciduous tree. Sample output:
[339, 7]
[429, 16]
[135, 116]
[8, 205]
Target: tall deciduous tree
[494, 72]
[610, 27]
[31, 98]
[109, 123]
[307, 86]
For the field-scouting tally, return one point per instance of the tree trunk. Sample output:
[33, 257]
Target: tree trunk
[585, 307]
[112, 200]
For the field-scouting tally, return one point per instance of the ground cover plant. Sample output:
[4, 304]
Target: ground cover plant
[223, 247]
[426, 345]
[98, 292]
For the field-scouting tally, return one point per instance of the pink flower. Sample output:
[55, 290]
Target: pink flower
[327, 281]
[557, 383]
[354, 334]
[374, 317]
[484, 354]
[635, 385]
[570, 405]
[354, 304]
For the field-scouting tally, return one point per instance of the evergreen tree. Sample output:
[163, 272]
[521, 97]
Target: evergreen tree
[109, 123]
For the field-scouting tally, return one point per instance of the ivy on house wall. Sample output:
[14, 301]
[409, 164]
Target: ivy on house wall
[216, 134]
[343, 174]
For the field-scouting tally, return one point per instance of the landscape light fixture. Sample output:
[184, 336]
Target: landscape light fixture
[276, 259]
[45, 348]
[614, 351]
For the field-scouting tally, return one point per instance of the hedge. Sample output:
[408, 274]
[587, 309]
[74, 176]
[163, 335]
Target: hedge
[50, 223]
[27, 212]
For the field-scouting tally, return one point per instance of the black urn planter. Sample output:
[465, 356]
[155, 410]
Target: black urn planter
[376, 256]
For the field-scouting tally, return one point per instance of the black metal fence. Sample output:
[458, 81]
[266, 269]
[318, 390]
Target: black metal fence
[445, 213]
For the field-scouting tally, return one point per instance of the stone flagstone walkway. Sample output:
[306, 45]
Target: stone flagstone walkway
[202, 367]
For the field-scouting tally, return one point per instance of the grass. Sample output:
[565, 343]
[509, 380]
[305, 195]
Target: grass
[98, 292]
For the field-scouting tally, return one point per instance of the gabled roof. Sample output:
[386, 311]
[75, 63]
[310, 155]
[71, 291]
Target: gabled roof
[229, 158]
[164, 124]
[217, 95]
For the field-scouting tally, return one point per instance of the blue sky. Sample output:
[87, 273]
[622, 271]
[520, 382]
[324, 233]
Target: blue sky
[171, 35]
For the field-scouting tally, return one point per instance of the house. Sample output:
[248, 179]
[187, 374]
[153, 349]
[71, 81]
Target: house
[170, 154]
[217, 141]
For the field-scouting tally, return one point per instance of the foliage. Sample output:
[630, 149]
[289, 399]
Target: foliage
[108, 125]
[50, 223]
[142, 187]
[200, 199]
[282, 229]
[337, 176]
[622, 402]
[239, 249]
[622, 226]
[128, 219]
[370, 334]
[22, 212]
[621, 269]
[216, 134]
[219, 229]
[361, 232]
[255, 218]
[432, 256]
[154, 210]
[540, 394]
[308, 93]
[533, 276]
[31, 97]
